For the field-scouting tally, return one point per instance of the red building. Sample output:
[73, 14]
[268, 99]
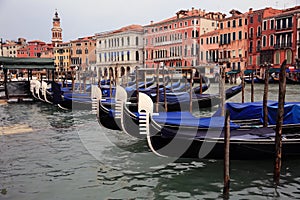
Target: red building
[272, 37]
[175, 41]
[261, 29]
[36, 49]
[286, 37]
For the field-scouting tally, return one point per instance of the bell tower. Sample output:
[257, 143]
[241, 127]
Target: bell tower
[56, 30]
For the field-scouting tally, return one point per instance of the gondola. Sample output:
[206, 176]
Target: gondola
[130, 117]
[204, 137]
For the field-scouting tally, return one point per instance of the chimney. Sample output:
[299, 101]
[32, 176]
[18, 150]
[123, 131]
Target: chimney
[151, 22]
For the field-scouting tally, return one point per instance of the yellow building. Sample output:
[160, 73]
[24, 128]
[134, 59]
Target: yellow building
[62, 57]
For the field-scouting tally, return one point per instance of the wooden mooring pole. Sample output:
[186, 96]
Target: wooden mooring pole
[265, 97]
[243, 87]
[252, 87]
[222, 90]
[137, 84]
[191, 90]
[226, 156]
[157, 88]
[280, 113]
[165, 91]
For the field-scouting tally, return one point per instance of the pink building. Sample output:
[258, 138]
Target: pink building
[175, 41]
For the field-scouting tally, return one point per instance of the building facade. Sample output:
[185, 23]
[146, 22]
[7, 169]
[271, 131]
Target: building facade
[83, 53]
[175, 41]
[209, 53]
[62, 56]
[10, 47]
[121, 50]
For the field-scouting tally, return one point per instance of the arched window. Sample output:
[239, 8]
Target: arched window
[277, 58]
[288, 56]
[264, 41]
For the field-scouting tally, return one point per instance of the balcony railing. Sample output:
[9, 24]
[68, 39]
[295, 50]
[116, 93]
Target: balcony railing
[283, 45]
[167, 59]
[223, 60]
[168, 42]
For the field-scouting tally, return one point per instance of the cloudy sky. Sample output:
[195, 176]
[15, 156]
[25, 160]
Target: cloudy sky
[32, 19]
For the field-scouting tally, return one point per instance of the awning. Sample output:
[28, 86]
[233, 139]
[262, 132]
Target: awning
[274, 70]
[233, 72]
[248, 71]
[26, 63]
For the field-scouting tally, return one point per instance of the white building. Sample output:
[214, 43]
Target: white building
[120, 50]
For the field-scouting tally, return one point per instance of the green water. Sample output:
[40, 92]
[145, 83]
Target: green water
[69, 156]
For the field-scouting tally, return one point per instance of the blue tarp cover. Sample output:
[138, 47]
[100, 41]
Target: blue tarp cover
[254, 110]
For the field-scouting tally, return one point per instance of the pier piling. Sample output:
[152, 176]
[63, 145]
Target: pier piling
[280, 113]
[265, 97]
[226, 156]
[252, 87]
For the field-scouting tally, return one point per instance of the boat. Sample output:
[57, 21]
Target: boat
[204, 137]
[130, 116]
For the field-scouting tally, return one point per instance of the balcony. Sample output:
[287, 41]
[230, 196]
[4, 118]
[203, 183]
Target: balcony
[167, 58]
[168, 42]
[283, 45]
[212, 60]
[224, 60]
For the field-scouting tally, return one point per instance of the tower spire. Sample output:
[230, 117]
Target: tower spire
[56, 30]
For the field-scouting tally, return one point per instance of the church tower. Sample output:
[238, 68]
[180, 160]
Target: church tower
[56, 30]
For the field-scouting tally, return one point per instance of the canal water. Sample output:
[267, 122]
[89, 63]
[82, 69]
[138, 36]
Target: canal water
[47, 153]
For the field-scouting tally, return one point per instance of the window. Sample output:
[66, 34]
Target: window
[233, 23]
[265, 25]
[233, 36]
[240, 22]
[288, 56]
[251, 20]
[128, 41]
[264, 41]
[228, 24]
[202, 41]
[258, 31]
[128, 55]
[250, 60]
[277, 58]
[221, 25]
[290, 22]
[251, 33]
[272, 24]
[137, 56]
[240, 35]
[271, 40]
[233, 53]
[259, 18]
[136, 41]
